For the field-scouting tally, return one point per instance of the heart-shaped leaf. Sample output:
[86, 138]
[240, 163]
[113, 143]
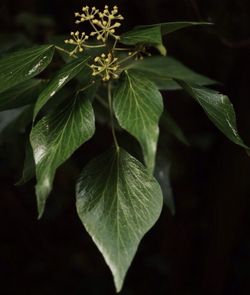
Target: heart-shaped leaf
[138, 106]
[118, 201]
[54, 139]
[23, 65]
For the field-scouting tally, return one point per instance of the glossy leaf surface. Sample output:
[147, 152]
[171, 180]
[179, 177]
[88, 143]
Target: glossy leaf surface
[118, 201]
[23, 65]
[68, 72]
[219, 110]
[54, 139]
[138, 106]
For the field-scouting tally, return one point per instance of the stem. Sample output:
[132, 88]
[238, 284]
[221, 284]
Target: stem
[114, 45]
[127, 58]
[111, 116]
[94, 46]
[65, 51]
[85, 87]
[122, 49]
[94, 27]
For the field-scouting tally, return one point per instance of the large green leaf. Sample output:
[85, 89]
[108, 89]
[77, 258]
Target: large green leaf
[118, 201]
[218, 108]
[152, 34]
[55, 137]
[68, 72]
[138, 106]
[21, 94]
[23, 65]
[162, 69]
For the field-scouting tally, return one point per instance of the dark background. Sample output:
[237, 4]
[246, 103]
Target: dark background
[205, 247]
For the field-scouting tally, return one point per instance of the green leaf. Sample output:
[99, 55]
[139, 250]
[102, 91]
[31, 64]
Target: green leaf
[149, 35]
[23, 65]
[161, 69]
[170, 27]
[54, 139]
[171, 126]
[152, 34]
[29, 167]
[138, 106]
[218, 108]
[118, 201]
[67, 73]
[20, 95]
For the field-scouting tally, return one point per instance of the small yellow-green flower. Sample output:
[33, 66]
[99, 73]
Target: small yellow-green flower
[106, 24]
[106, 66]
[86, 15]
[78, 40]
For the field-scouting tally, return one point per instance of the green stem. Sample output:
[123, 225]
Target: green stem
[65, 51]
[123, 49]
[85, 87]
[127, 58]
[111, 116]
[94, 46]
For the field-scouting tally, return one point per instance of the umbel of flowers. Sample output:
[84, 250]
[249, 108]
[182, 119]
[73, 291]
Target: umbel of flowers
[104, 24]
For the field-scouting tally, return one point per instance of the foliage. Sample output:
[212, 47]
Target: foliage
[118, 199]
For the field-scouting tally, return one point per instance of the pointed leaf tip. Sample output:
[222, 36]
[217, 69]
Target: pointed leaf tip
[219, 110]
[118, 201]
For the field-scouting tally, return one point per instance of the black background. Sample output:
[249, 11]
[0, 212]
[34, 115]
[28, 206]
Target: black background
[205, 247]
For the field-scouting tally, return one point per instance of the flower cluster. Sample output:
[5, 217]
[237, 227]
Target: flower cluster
[78, 39]
[104, 24]
[106, 66]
